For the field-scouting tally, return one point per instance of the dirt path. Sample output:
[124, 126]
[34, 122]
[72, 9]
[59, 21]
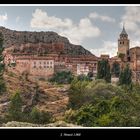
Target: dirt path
[54, 99]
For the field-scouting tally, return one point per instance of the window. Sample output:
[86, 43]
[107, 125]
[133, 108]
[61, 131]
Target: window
[120, 42]
[34, 62]
[34, 66]
[40, 67]
[48, 62]
[44, 62]
[44, 66]
[40, 62]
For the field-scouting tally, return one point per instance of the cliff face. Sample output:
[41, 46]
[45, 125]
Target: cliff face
[22, 38]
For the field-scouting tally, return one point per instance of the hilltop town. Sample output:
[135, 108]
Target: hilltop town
[45, 53]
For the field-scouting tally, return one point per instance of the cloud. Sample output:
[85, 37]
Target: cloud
[17, 19]
[131, 18]
[108, 47]
[79, 32]
[41, 19]
[3, 18]
[95, 15]
[76, 32]
[134, 43]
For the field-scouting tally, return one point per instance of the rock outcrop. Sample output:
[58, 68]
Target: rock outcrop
[20, 38]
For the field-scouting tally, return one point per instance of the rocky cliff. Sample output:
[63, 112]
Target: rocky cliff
[21, 38]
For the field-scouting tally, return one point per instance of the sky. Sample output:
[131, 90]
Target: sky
[96, 28]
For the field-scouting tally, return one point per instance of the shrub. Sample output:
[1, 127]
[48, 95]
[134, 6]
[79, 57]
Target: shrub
[63, 77]
[39, 117]
[15, 108]
[83, 92]
[2, 86]
[76, 93]
[83, 116]
[83, 77]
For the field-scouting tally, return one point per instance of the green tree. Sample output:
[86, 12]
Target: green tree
[35, 115]
[126, 76]
[121, 56]
[63, 77]
[15, 108]
[115, 69]
[40, 117]
[2, 83]
[103, 70]
[83, 77]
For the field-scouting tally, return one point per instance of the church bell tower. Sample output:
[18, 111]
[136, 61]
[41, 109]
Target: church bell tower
[123, 43]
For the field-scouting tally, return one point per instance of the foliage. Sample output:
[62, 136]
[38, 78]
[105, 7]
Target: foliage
[126, 76]
[63, 77]
[2, 65]
[121, 56]
[103, 70]
[2, 86]
[100, 104]
[83, 92]
[39, 117]
[15, 108]
[76, 94]
[116, 69]
[116, 112]
[83, 77]
[90, 74]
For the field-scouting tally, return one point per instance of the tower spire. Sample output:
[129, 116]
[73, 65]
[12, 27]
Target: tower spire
[123, 30]
[123, 25]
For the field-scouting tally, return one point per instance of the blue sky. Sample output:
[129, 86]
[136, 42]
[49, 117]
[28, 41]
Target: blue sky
[96, 28]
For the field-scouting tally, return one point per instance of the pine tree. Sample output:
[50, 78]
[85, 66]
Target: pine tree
[116, 69]
[15, 109]
[126, 76]
[103, 70]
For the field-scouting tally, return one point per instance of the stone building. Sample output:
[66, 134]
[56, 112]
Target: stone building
[44, 59]
[45, 65]
[127, 55]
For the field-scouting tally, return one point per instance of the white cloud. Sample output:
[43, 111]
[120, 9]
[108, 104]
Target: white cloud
[108, 47]
[17, 19]
[79, 32]
[3, 17]
[131, 18]
[135, 43]
[76, 32]
[95, 15]
[41, 19]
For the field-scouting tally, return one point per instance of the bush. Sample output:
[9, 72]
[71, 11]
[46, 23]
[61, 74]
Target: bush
[2, 86]
[83, 77]
[76, 93]
[100, 104]
[63, 77]
[84, 116]
[39, 117]
[84, 92]
[15, 108]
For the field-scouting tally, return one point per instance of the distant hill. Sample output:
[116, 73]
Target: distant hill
[22, 38]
